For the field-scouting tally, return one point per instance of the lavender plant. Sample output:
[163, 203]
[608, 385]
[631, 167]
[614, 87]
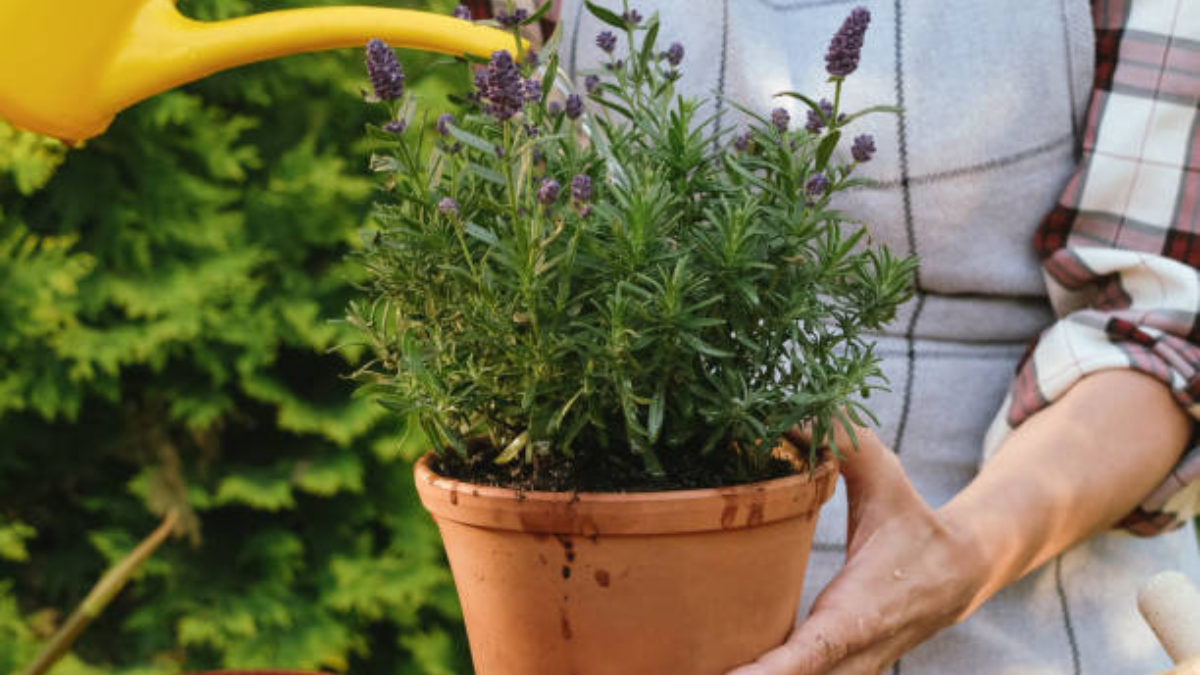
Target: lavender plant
[624, 295]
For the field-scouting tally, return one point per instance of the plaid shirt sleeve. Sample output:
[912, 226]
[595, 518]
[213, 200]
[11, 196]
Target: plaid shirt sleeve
[1121, 250]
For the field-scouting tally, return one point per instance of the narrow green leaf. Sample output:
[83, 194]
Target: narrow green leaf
[551, 73]
[826, 148]
[471, 139]
[485, 173]
[872, 110]
[538, 13]
[657, 405]
[484, 235]
[605, 15]
[648, 42]
[514, 448]
[705, 348]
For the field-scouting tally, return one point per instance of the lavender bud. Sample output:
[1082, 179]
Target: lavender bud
[586, 210]
[674, 54]
[537, 155]
[780, 118]
[548, 192]
[532, 59]
[387, 78]
[591, 82]
[533, 91]
[863, 148]
[574, 106]
[817, 185]
[396, 126]
[846, 46]
[462, 12]
[815, 123]
[581, 188]
[632, 17]
[511, 20]
[555, 108]
[606, 41]
[500, 87]
[741, 142]
[448, 206]
[444, 122]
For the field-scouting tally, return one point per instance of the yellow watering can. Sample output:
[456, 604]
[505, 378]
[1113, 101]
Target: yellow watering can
[69, 66]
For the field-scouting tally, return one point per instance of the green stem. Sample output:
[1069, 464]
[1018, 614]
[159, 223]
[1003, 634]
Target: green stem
[837, 104]
[99, 597]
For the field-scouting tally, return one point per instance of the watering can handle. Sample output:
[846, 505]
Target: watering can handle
[1171, 605]
[68, 79]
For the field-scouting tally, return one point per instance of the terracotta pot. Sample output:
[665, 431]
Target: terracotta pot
[691, 581]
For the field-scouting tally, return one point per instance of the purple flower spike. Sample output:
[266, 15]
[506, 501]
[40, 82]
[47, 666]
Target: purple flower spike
[863, 148]
[396, 127]
[581, 188]
[606, 41]
[780, 118]
[444, 122]
[632, 17]
[574, 106]
[741, 142]
[548, 192]
[555, 108]
[846, 46]
[815, 123]
[462, 12]
[674, 54]
[448, 206]
[387, 78]
[533, 90]
[500, 87]
[817, 185]
[591, 82]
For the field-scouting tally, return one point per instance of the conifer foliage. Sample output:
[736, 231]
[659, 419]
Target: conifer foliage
[166, 296]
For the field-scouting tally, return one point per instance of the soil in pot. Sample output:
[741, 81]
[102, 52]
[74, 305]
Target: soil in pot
[601, 471]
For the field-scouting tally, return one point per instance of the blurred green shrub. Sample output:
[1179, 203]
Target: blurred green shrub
[166, 296]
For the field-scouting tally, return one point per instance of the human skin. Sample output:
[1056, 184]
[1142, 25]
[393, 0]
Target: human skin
[1072, 470]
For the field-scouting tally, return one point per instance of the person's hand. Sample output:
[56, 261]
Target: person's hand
[910, 571]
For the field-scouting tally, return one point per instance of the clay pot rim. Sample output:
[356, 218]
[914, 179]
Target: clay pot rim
[625, 513]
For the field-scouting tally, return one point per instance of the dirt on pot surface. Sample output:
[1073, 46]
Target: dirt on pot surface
[601, 471]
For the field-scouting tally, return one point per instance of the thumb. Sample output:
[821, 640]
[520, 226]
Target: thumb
[865, 461]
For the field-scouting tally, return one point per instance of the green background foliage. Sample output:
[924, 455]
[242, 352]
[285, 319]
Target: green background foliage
[167, 303]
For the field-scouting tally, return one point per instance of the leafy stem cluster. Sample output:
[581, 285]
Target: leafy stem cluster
[699, 298]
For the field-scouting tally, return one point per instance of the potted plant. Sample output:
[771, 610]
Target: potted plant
[604, 314]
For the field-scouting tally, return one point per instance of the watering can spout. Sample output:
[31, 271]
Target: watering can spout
[69, 77]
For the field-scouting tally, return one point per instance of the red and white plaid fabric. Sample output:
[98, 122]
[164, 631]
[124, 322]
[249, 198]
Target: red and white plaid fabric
[1121, 250]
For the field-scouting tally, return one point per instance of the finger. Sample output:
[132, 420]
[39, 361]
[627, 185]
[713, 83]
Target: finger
[816, 646]
[859, 452]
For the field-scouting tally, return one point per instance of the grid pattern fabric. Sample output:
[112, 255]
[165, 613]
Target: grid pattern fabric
[1121, 249]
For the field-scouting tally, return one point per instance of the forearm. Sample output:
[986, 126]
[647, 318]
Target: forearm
[1070, 471]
